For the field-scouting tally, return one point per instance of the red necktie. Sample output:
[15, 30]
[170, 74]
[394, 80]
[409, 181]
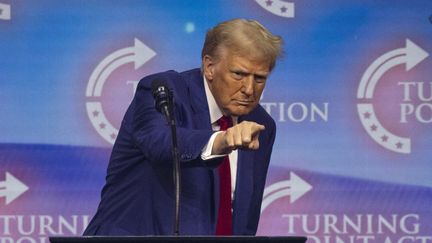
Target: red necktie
[224, 219]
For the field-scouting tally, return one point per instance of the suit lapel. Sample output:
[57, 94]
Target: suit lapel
[198, 99]
[201, 119]
[244, 187]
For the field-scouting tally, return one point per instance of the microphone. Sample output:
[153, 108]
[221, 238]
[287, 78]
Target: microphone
[163, 98]
[163, 103]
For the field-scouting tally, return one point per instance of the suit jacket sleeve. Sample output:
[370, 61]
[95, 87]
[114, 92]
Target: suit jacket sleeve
[152, 134]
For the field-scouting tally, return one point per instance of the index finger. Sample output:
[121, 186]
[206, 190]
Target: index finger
[257, 128]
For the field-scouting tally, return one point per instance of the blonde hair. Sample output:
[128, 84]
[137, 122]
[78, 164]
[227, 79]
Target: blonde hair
[245, 38]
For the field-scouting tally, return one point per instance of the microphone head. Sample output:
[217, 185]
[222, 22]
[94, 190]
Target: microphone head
[157, 83]
[161, 94]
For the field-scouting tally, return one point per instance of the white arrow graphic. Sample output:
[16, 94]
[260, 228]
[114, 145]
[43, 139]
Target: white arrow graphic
[5, 11]
[411, 55]
[139, 54]
[296, 187]
[11, 188]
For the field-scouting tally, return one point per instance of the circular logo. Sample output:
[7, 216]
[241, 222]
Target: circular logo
[282, 8]
[138, 55]
[410, 56]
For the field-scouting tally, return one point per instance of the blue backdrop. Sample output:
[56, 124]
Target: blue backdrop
[352, 98]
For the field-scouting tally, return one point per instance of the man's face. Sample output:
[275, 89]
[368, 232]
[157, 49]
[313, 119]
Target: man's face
[236, 82]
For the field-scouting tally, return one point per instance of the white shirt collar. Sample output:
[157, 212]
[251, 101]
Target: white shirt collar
[214, 110]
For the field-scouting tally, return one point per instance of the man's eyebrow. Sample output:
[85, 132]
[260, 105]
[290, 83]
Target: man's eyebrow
[237, 69]
[246, 72]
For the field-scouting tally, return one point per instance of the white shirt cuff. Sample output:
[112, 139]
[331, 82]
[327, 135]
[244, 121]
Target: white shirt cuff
[206, 152]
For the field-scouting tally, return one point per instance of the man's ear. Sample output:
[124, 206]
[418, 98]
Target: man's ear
[208, 67]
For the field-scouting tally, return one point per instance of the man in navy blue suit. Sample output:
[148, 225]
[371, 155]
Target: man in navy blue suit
[225, 141]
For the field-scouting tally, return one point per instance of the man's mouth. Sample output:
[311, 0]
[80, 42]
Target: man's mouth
[244, 102]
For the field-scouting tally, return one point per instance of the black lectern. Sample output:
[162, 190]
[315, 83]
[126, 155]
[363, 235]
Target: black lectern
[179, 239]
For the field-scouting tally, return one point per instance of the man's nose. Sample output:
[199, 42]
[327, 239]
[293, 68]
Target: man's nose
[248, 85]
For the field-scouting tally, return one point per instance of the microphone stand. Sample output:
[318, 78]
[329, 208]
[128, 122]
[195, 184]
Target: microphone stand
[176, 165]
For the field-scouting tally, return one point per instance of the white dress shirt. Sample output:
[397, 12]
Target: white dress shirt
[215, 115]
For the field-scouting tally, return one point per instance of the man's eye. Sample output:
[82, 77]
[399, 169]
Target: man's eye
[260, 79]
[238, 75]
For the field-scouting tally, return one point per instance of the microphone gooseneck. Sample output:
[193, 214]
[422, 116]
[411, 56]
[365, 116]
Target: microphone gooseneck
[164, 104]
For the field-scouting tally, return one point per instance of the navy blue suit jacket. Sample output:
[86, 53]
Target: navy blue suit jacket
[138, 198]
